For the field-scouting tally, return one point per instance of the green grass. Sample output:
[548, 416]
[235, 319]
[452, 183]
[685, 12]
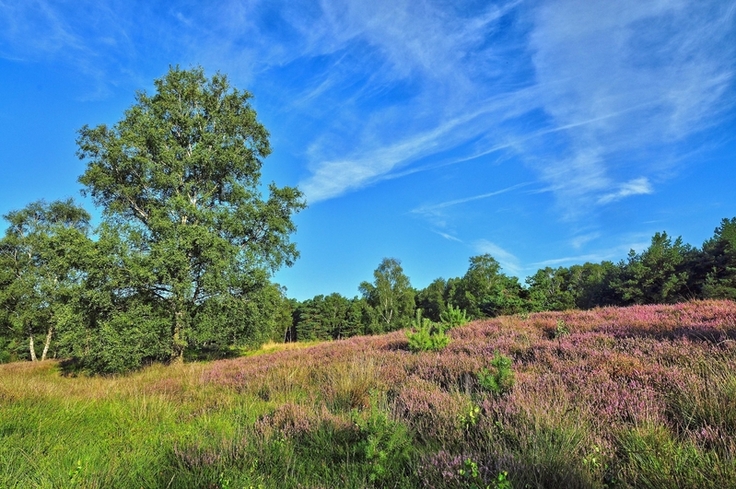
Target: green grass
[586, 410]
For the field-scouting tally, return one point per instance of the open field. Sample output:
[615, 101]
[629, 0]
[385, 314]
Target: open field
[633, 397]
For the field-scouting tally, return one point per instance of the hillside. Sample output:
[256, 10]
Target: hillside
[616, 397]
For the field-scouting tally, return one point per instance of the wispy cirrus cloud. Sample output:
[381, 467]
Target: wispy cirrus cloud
[334, 177]
[508, 261]
[606, 254]
[447, 236]
[449, 203]
[638, 186]
[663, 68]
[581, 240]
[436, 212]
[93, 39]
[426, 55]
[580, 92]
[611, 81]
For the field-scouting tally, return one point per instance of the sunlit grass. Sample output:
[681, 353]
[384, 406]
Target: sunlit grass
[636, 397]
[272, 347]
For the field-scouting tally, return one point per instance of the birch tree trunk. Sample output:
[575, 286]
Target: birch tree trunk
[33, 350]
[47, 343]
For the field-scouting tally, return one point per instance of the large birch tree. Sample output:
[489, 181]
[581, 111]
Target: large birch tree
[179, 180]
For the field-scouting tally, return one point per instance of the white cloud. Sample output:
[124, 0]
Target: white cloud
[440, 55]
[436, 213]
[661, 68]
[369, 163]
[581, 240]
[508, 261]
[402, 80]
[448, 236]
[613, 253]
[332, 178]
[614, 79]
[638, 186]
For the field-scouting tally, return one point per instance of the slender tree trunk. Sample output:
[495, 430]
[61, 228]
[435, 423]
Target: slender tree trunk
[47, 343]
[33, 350]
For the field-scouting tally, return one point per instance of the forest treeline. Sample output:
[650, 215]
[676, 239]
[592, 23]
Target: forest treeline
[668, 271]
[66, 295]
[182, 260]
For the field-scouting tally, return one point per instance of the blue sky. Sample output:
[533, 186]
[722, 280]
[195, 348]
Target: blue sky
[546, 132]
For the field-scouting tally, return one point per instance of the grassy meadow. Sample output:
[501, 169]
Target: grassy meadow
[616, 397]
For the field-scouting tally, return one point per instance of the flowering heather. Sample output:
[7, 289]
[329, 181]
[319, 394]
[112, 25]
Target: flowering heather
[643, 396]
[613, 370]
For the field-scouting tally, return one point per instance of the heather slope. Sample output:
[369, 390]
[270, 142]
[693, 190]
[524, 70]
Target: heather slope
[642, 396]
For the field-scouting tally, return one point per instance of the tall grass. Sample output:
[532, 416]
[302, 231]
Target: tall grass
[634, 397]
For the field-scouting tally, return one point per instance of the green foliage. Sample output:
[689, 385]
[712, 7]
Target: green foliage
[499, 379]
[329, 317]
[471, 477]
[486, 292]
[550, 290]
[592, 284]
[470, 473]
[42, 258]
[390, 296]
[659, 275]
[469, 418]
[426, 335]
[432, 300]
[718, 262]
[133, 337]
[502, 481]
[452, 317]
[385, 444]
[178, 179]
[561, 330]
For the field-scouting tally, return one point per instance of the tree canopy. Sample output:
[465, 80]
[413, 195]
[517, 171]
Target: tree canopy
[178, 179]
[41, 261]
[390, 296]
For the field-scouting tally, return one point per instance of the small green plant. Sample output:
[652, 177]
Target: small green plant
[593, 459]
[75, 473]
[561, 329]
[470, 417]
[470, 470]
[470, 474]
[426, 335]
[222, 482]
[597, 464]
[453, 316]
[499, 379]
[502, 481]
[385, 444]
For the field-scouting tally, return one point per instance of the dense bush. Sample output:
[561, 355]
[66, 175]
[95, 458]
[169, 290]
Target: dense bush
[426, 335]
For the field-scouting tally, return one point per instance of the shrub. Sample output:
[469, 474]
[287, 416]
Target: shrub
[385, 444]
[452, 317]
[500, 378]
[561, 330]
[426, 335]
